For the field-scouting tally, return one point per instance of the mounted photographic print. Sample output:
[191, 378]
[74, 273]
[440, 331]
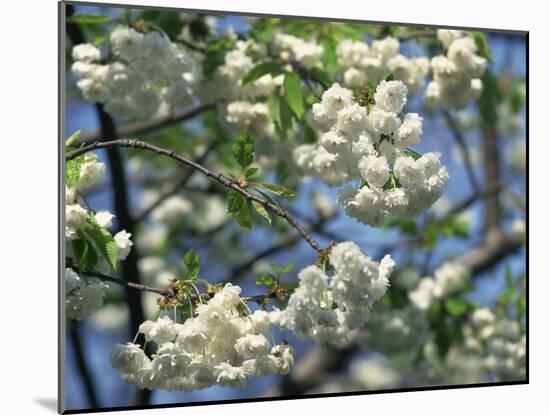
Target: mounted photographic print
[261, 207]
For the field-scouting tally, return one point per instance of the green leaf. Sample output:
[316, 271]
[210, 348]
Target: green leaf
[243, 217]
[413, 154]
[251, 172]
[321, 76]
[234, 201]
[286, 118]
[72, 170]
[482, 45]
[274, 107]
[406, 227]
[455, 227]
[105, 244]
[456, 306]
[88, 259]
[489, 99]
[243, 149]
[268, 280]
[191, 261]
[293, 94]
[260, 70]
[282, 270]
[279, 190]
[100, 40]
[88, 19]
[389, 77]
[289, 286]
[262, 211]
[329, 56]
[80, 247]
[267, 197]
[446, 334]
[74, 136]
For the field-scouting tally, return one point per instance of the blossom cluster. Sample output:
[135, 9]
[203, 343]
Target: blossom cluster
[84, 296]
[226, 80]
[147, 73]
[291, 48]
[371, 146]
[456, 75]
[499, 341]
[78, 218]
[223, 344]
[361, 62]
[325, 309]
[393, 331]
[448, 279]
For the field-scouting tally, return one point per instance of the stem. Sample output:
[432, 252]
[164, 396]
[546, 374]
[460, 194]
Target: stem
[226, 181]
[167, 292]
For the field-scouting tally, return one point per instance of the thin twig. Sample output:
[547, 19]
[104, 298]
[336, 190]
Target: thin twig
[226, 181]
[459, 138]
[165, 292]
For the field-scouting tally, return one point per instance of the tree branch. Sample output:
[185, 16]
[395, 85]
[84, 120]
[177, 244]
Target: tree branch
[120, 196]
[147, 126]
[165, 292]
[225, 181]
[82, 365]
[492, 178]
[459, 138]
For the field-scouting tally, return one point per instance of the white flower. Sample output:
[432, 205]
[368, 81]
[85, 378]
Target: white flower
[333, 100]
[91, 173]
[423, 295]
[86, 52]
[391, 96]
[285, 358]
[483, 317]
[386, 48]
[410, 131]
[128, 358]
[374, 170]
[124, 244]
[228, 297]
[127, 42]
[104, 218]
[408, 172]
[383, 122]
[446, 36]
[450, 277]
[83, 297]
[228, 375]
[160, 331]
[291, 47]
[193, 336]
[75, 219]
[352, 120]
[252, 346]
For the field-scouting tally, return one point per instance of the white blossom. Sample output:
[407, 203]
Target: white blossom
[124, 244]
